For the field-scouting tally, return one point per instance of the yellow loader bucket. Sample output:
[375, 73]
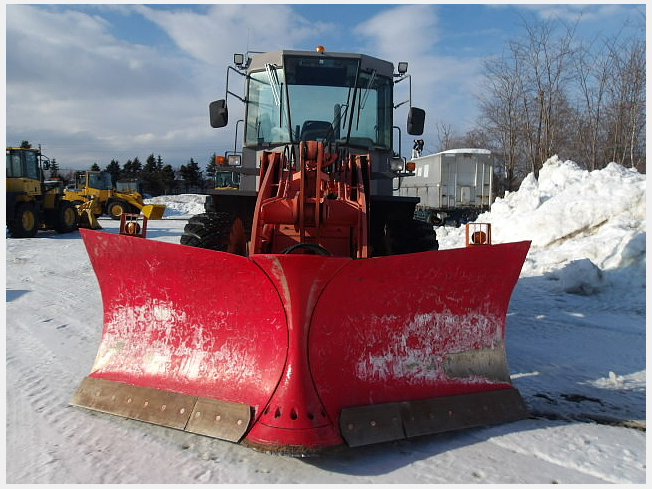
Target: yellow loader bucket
[152, 211]
[88, 212]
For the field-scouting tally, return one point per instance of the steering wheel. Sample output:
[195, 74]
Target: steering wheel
[317, 249]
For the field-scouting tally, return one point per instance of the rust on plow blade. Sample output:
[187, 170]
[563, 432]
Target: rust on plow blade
[300, 353]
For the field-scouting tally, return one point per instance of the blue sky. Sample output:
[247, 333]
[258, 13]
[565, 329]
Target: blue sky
[95, 82]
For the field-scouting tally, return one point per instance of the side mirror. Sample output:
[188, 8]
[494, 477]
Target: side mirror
[415, 121]
[219, 114]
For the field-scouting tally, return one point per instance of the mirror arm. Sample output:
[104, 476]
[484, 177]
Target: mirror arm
[400, 153]
[229, 68]
[409, 77]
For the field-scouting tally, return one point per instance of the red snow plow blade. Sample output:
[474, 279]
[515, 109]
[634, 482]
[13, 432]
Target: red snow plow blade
[300, 353]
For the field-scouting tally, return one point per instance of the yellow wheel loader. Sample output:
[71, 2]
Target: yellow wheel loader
[32, 203]
[113, 202]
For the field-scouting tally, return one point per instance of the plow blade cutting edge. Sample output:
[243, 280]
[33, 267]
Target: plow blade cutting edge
[299, 353]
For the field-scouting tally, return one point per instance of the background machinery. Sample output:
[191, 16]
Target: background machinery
[33, 203]
[125, 197]
[308, 309]
[454, 186]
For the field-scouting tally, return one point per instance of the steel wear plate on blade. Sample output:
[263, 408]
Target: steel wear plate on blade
[210, 417]
[219, 419]
[365, 425]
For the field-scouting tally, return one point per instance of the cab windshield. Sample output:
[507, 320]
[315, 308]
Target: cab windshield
[127, 186]
[319, 99]
[100, 181]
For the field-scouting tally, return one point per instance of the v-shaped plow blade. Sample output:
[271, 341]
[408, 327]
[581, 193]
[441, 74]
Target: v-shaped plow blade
[299, 353]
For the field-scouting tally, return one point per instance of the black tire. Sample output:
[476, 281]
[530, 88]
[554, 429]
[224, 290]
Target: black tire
[25, 223]
[67, 219]
[209, 205]
[219, 231]
[116, 208]
[433, 220]
[409, 236]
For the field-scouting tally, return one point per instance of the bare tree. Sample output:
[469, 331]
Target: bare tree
[548, 94]
[545, 59]
[627, 94]
[501, 108]
[444, 136]
[593, 71]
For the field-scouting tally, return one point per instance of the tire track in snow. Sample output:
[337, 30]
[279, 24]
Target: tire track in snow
[559, 443]
[50, 441]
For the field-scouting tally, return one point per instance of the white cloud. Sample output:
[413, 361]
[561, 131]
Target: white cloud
[442, 85]
[89, 96]
[406, 30]
[573, 12]
[224, 29]
[83, 93]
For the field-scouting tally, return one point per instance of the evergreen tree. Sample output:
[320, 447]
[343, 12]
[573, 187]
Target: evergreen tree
[191, 173]
[54, 168]
[137, 167]
[168, 178]
[126, 169]
[95, 167]
[211, 167]
[132, 169]
[25, 145]
[150, 165]
[114, 169]
[151, 176]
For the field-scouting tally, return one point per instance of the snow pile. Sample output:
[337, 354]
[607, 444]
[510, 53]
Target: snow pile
[180, 205]
[580, 277]
[580, 223]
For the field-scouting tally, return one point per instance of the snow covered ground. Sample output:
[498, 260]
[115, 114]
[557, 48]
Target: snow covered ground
[575, 343]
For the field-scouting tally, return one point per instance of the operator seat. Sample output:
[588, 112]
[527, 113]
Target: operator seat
[316, 130]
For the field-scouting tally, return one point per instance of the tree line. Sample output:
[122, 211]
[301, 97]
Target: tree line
[155, 177]
[550, 93]
[158, 178]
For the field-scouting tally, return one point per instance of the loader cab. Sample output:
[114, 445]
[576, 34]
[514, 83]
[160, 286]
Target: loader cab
[128, 186]
[24, 173]
[23, 163]
[344, 100]
[99, 180]
[96, 180]
[226, 180]
[333, 99]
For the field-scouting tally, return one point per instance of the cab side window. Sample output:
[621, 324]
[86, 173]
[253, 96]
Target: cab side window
[14, 169]
[31, 166]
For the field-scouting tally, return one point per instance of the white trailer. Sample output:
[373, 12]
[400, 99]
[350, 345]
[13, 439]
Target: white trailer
[453, 186]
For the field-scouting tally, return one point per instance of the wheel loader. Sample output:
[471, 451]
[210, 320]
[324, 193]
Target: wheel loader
[33, 203]
[113, 201]
[307, 310]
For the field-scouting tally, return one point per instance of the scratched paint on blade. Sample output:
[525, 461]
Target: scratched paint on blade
[417, 351]
[157, 338]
